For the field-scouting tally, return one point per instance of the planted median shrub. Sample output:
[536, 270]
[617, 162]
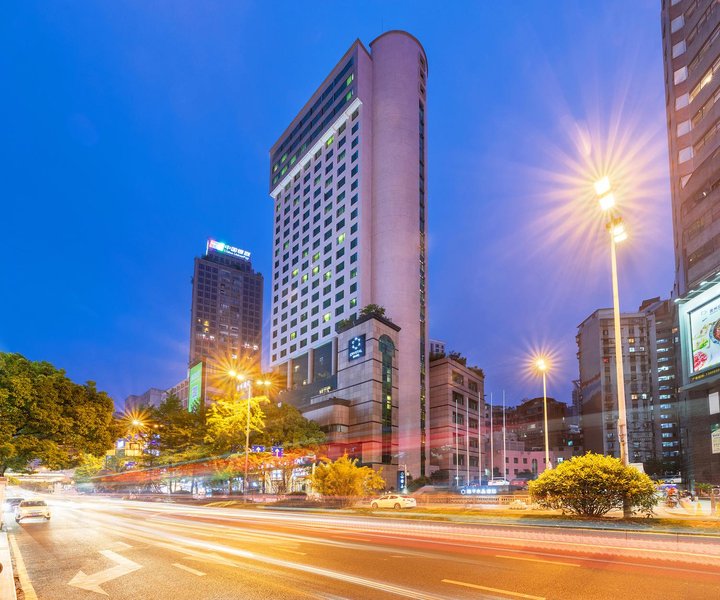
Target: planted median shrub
[344, 481]
[592, 485]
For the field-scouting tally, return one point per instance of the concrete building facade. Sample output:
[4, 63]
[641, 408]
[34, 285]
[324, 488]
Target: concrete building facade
[691, 52]
[153, 397]
[456, 407]
[227, 303]
[348, 182]
[596, 357]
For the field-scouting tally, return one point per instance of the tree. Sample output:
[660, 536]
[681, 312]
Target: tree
[227, 420]
[46, 417]
[373, 309]
[344, 480]
[285, 426]
[175, 431]
[592, 485]
[88, 467]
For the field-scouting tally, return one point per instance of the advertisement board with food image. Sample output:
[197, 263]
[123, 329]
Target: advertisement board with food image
[705, 335]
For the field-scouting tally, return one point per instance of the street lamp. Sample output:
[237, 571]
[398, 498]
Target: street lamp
[616, 229]
[541, 364]
[243, 382]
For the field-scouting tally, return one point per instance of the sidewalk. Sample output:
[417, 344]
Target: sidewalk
[7, 581]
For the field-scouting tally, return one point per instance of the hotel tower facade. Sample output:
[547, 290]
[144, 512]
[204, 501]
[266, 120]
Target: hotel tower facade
[348, 181]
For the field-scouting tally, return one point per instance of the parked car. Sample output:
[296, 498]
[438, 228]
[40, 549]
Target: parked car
[521, 484]
[396, 501]
[31, 509]
[11, 503]
[498, 481]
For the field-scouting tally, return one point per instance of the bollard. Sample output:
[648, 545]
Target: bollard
[698, 508]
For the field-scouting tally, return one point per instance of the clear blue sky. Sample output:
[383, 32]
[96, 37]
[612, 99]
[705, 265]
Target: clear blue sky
[132, 131]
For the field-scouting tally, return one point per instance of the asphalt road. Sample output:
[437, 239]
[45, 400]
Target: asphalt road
[94, 548]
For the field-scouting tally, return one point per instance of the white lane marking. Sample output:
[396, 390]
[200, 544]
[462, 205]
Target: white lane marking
[189, 569]
[92, 583]
[539, 560]
[495, 590]
[293, 551]
[27, 587]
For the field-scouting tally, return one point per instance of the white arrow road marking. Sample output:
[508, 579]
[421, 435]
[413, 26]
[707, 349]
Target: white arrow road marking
[93, 582]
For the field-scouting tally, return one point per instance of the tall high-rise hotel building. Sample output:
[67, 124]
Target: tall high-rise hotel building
[691, 48]
[348, 180]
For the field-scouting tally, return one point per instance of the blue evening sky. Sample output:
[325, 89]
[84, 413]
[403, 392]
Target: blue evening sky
[132, 131]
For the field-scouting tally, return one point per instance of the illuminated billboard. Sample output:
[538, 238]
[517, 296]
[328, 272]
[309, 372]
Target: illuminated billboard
[224, 248]
[195, 387]
[699, 319]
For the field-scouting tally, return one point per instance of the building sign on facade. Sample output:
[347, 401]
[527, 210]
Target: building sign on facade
[700, 334]
[195, 387]
[715, 438]
[224, 248]
[356, 347]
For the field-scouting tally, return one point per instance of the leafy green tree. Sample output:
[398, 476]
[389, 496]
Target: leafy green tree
[88, 467]
[227, 420]
[285, 426]
[344, 480]
[46, 417]
[592, 485]
[175, 433]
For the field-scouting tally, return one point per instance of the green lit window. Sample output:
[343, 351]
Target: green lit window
[331, 139]
[284, 158]
[353, 302]
[349, 80]
[315, 270]
[317, 179]
[328, 275]
[305, 253]
[293, 335]
[348, 96]
[326, 317]
[341, 238]
[305, 278]
[316, 256]
[353, 273]
[286, 245]
[275, 168]
[295, 272]
[284, 170]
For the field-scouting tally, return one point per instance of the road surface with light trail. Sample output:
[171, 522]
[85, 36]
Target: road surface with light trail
[95, 548]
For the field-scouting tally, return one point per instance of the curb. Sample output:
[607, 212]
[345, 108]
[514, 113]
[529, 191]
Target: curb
[7, 578]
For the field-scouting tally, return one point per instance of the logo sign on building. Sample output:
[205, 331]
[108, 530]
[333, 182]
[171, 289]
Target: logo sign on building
[224, 248]
[401, 480]
[195, 387]
[356, 347]
[715, 438]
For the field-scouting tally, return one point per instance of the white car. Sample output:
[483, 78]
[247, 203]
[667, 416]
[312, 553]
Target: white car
[499, 481]
[396, 501]
[28, 509]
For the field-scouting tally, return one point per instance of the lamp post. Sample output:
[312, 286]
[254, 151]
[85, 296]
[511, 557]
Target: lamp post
[617, 232]
[247, 384]
[542, 365]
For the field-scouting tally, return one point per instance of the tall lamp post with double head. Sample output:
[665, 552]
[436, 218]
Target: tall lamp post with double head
[244, 383]
[541, 364]
[616, 229]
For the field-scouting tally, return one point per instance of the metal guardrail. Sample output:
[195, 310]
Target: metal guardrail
[497, 499]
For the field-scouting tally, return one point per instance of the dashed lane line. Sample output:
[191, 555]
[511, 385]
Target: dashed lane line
[189, 569]
[539, 560]
[494, 590]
